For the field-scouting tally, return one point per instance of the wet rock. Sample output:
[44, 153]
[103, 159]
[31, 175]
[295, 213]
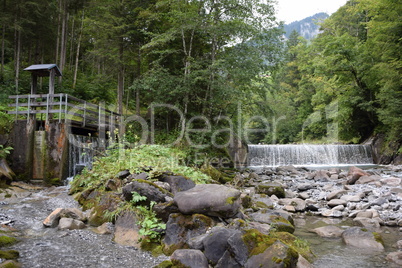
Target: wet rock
[362, 238]
[395, 257]
[70, 224]
[73, 213]
[209, 199]
[303, 263]
[126, 230]
[329, 231]
[368, 223]
[277, 255]
[191, 258]
[53, 219]
[178, 183]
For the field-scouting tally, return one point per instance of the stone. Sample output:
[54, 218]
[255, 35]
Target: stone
[70, 224]
[331, 213]
[367, 179]
[336, 202]
[181, 228]
[163, 210]
[123, 174]
[112, 185]
[398, 244]
[178, 183]
[215, 244]
[270, 189]
[297, 203]
[106, 228]
[368, 223]
[303, 263]
[304, 195]
[126, 230]
[163, 185]
[392, 181]
[274, 256]
[289, 208]
[329, 231]
[362, 238]
[335, 194]
[261, 227]
[209, 199]
[73, 213]
[395, 257]
[53, 219]
[351, 198]
[305, 186]
[191, 258]
[321, 176]
[145, 188]
[275, 220]
[354, 174]
[196, 242]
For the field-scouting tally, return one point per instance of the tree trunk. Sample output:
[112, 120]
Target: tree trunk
[78, 51]
[17, 59]
[120, 89]
[137, 92]
[3, 36]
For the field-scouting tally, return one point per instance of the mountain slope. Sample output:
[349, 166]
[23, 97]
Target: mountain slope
[308, 27]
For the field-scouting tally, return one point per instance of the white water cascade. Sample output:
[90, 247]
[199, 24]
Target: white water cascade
[82, 150]
[308, 154]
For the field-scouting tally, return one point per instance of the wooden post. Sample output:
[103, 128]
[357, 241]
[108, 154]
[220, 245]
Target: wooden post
[34, 83]
[51, 81]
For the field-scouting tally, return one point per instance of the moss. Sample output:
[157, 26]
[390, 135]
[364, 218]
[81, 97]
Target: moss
[178, 264]
[260, 204]
[231, 200]
[164, 264]
[378, 238]
[271, 189]
[298, 245]
[9, 254]
[256, 242]
[364, 229]
[10, 264]
[164, 191]
[282, 225]
[246, 201]
[153, 247]
[276, 260]
[8, 195]
[291, 258]
[7, 241]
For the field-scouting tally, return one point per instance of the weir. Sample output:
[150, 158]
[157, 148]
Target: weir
[309, 154]
[54, 136]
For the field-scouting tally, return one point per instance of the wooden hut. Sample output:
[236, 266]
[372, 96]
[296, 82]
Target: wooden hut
[43, 70]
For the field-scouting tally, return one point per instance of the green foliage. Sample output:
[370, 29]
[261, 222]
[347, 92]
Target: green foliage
[4, 151]
[151, 226]
[137, 198]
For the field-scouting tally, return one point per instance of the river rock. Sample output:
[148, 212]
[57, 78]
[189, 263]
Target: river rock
[126, 230]
[367, 179]
[372, 224]
[70, 224]
[191, 258]
[106, 228]
[395, 257]
[297, 203]
[354, 174]
[73, 213]
[331, 213]
[393, 181]
[351, 198]
[53, 219]
[272, 188]
[277, 221]
[362, 238]
[335, 194]
[321, 176]
[209, 199]
[274, 256]
[336, 202]
[329, 231]
[178, 183]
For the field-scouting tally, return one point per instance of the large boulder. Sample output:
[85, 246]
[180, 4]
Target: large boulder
[282, 222]
[209, 199]
[362, 238]
[328, 231]
[191, 258]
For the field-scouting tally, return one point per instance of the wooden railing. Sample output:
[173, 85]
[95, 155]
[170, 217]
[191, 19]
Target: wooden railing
[62, 107]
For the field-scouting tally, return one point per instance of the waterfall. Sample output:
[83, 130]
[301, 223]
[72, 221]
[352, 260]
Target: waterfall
[308, 154]
[82, 150]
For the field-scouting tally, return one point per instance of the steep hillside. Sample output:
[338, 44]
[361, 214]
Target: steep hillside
[308, 27]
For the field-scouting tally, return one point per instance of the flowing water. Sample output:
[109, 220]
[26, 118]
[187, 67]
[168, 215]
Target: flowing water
[308, 154]
[48, 247]
[333, 253]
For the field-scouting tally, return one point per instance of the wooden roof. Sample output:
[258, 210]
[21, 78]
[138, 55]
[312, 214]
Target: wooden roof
[43, 70]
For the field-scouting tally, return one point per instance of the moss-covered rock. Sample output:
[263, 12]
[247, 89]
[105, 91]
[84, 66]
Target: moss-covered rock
[10, 264]
[271, 189]
[6, 241]
[9, 254]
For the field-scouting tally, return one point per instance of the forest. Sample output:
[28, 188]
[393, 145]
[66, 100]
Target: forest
[227, 61]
